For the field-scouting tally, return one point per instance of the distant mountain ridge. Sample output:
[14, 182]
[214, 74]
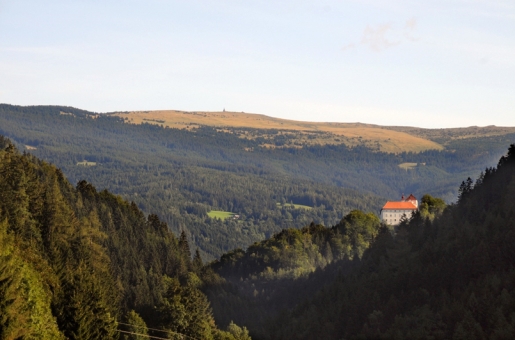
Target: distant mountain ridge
[383, 138]
[447, 274]
[183, 175]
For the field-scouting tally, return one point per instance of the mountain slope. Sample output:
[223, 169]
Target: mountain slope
[187, 177]
[451, 278]
[270, 276]
[80, 264]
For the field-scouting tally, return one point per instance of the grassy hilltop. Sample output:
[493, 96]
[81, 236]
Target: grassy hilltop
[300, 133]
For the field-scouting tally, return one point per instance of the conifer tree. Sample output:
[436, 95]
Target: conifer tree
[185, 253]
[183, 244]
[197, 263]
[68, 256]
[239, 333]
[137, 326]
[24, 304]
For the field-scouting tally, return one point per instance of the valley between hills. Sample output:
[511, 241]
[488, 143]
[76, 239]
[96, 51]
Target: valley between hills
[187, 166]
[125, 226]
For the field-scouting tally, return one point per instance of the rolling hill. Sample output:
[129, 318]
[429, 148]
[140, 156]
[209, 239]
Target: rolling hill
[302, 133]
[182, 174]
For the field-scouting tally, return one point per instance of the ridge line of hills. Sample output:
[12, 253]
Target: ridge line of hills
[74, 261]
[384, 138]
[190, 178]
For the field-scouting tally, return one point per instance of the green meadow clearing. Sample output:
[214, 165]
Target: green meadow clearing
[294, 206]
[86, 163]
[220, 214]
[408, 166]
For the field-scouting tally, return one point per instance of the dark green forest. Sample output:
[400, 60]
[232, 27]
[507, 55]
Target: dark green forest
[77, 263]
[447, 272]
[182, 175]
[82, 263]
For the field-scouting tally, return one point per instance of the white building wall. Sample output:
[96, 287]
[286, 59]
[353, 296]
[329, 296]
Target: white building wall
[393, 217]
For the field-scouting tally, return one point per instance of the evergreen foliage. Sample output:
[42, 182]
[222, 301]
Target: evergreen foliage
[136, 326]
[447, 273]
[182, 175]
[430, 206]
[74, 261]
[24, 304]
[271, 275]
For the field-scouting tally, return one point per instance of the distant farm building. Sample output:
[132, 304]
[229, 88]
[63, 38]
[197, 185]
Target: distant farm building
[393, 211]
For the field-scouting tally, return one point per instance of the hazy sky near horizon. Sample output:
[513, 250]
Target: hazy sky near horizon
[393, 62]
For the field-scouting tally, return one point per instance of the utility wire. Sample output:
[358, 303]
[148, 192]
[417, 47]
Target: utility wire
[144, 327]
[146, 335]
[154, 329]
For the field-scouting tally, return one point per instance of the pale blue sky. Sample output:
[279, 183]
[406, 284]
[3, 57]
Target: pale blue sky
[419, 63]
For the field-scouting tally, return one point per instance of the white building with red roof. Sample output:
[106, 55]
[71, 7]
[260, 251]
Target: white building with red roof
[393, 211]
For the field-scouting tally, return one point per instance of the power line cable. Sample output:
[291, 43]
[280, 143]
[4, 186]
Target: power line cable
[154, 329]
[139, 334]
[144, 327]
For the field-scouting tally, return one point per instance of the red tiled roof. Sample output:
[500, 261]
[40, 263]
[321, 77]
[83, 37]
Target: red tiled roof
[411, 198]
[400, 205]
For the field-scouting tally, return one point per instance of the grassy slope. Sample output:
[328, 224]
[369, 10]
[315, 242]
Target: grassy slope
[447, 136]
[294, 206]
[319, 133]
[386, 138]
[220, 214]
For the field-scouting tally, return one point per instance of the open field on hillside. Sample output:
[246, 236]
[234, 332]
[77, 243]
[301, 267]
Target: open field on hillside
[86, 163]
[444, 136]
[408, 166]
[220, 214]
[294, 206]
[304, 133]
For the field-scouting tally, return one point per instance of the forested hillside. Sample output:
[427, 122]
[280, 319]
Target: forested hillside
[190, 178]
[82, 264]
[446, 273]
[76, 263]
[276, 274]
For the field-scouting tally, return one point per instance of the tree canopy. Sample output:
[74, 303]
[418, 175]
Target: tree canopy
[77, 263]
